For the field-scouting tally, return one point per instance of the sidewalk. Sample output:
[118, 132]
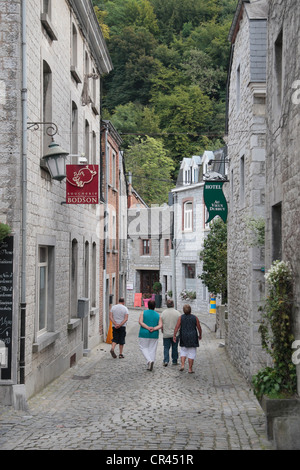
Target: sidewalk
[116, 404]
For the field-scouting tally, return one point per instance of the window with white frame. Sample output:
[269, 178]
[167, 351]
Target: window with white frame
[42, 289]
[188, 216]
[190, 277]
[45, 289]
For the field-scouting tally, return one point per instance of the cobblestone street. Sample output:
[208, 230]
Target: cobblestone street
[116, 404]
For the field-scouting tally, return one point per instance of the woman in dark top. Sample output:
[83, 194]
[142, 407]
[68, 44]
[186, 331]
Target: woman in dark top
[189, 337]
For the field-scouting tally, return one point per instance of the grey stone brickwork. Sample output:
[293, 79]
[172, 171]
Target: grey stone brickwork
[246, 152]
[49, 221]
[282, 156]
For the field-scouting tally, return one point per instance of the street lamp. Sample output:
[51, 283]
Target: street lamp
[55, 158]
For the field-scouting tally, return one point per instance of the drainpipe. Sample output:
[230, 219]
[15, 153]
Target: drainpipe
[105, 306]
[24, 199]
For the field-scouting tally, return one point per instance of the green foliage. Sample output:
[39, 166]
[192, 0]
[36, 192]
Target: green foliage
[157, 287]
[256, 229]
[276, 334]
[151, 177]
[170, 58]
[5, 231]
[214, 258]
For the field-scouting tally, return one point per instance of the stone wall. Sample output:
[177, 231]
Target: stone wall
[282, 159]
[49, 221]
[246, 152]
[10, 112]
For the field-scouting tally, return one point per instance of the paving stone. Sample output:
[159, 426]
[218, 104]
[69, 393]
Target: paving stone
[122, 406]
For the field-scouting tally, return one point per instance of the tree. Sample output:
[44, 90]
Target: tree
[151, 168]
[214, 258]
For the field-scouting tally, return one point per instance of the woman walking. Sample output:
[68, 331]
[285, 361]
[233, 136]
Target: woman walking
[150, 324]
[189, 338]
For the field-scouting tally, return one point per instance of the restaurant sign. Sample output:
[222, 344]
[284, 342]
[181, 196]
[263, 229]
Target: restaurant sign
[215, 201]
[82, 184]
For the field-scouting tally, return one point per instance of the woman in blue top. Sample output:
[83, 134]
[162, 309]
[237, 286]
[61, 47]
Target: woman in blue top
[150, 324]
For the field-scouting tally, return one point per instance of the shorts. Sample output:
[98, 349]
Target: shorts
[190, 353]
[119, 335]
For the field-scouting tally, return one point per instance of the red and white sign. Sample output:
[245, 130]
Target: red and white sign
[82, 184]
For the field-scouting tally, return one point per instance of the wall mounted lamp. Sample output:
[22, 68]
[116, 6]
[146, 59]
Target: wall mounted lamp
[55, 158]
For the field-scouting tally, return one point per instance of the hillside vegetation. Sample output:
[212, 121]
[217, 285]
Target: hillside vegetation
[167, 93]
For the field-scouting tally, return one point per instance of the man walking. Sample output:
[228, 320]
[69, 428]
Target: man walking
[169, 320]
[119, 317]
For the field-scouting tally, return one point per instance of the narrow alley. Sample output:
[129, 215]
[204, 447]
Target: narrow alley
[116, 404]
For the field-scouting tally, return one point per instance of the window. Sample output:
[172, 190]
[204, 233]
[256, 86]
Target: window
[276, 232]
[87, 140]
[86, 269]
[42, 289]
[47, 102]
[74, 129]
[146, 246]
[279, 71]
[188, 216]
[45, 290]
[238, 88]
[74, 278]
[94, 148]
[167, 247]
[190, 277]
[94, 275]
[114, 161]
[242, 181]
[114, 231]
[47, 7]
[46, 19]
[74, 46]
[74, 56]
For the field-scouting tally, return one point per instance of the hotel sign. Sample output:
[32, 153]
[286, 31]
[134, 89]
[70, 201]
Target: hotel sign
[215, 201]
[82, 184]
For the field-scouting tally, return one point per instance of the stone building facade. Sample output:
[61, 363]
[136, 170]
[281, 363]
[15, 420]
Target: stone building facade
[283, 140]
[57, 65]
[189, 233]
[246, 153]
[113, 250]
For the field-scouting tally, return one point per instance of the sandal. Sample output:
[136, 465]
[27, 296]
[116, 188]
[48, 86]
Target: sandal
[121, 356]
[112, 352]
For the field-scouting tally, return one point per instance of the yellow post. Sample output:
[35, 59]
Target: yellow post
[212, 305]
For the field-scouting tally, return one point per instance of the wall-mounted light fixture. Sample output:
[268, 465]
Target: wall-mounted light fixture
[55, 158]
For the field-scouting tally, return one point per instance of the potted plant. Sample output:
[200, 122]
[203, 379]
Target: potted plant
[157, 287]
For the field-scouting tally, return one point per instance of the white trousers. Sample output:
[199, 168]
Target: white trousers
[190, 353]
[148, 346]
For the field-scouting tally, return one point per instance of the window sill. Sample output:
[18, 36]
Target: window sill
[73, 323]
[45, 20]
[75, 74]
[44, 341]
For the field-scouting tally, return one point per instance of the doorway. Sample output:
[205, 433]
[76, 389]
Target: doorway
[148, 278]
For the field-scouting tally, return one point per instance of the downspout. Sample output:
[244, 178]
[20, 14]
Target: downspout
[24, 199]
[105, 306]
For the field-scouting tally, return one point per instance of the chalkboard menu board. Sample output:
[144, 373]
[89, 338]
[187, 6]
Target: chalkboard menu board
[6, 306]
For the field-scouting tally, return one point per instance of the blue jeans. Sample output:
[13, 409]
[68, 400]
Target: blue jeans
[169, 343]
